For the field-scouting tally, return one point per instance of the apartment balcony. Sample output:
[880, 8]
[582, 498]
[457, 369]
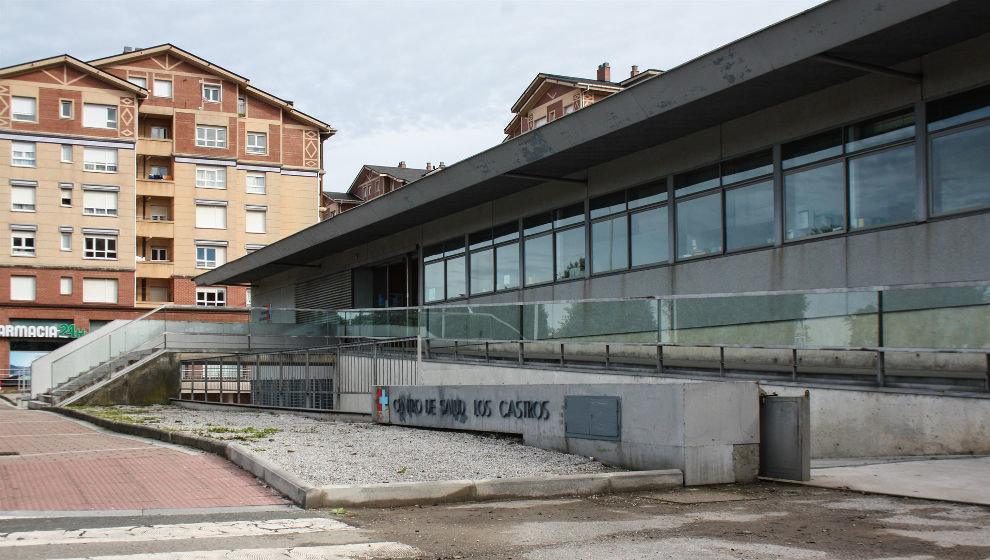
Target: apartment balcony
[155, 187]
[155, 269]
[148, 109]
[154, 147]
[155, 228]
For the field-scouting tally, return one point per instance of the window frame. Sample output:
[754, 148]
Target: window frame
[24, 207]
[200, 219]
[89, 296]
[24, 117]
[958, 124]
[155, 91]
[92, 251]
[256, 175]
[21, 278]
[106, 210]
[23, 249]
[208, 88]
[143, 80]
[65, 288]
[23, 160]
[160, 251]
[253, 147]
[100, 166]
[205, 260]
[249, 212]
[108, 123]
[65, 241]
[66, 148]
[62, 104]
[219, 296]
[203, 140]
[217, 181]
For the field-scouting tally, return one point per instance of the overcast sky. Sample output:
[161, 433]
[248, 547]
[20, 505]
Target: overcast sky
[400, 80]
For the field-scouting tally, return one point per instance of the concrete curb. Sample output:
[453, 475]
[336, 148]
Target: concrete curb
[401, 493]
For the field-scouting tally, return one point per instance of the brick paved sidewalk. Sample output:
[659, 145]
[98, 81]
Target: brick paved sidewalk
[48, 462]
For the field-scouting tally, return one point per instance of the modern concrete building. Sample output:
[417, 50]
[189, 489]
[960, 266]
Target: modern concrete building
[839, 149]
[131, 174]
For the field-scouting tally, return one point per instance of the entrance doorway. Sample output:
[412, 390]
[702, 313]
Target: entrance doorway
[392, 284]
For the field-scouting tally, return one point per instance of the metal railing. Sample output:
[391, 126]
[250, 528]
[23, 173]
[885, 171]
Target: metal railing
[337, 378]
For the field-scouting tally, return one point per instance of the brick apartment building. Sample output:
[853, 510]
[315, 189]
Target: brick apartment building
[131, 174]
[371, 182]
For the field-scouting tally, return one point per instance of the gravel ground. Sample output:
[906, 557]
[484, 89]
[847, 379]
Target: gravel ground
[325, 453]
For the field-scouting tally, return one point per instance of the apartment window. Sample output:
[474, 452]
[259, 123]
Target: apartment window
[99, 116]
[211, 214]
[208, 256]
[853, 177]
[99, 202]
[211, 93]
[255, 220]
[158, 172]
[163, 88]
[159, 213]
[24, 109]
[960, 171]
[159, 254]
[65, 198]
[100, 290]
[65, 108]
[211, 136]
[65, 285]
[445, 274]
[211, 297]
[66, 240]
[159, 132]
[66, 153]
[554, 245]
[257, 143]
[22, 243]
[539, 122]
[252, 247]
[22, 288]
[211, 177]
[22, 154]
[102, 247]
[100, 160]
[22, 198]
[256, 183]
[157, 293]
[138, 81]
[241, 106]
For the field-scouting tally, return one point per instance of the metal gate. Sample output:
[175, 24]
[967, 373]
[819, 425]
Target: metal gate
[785, 437]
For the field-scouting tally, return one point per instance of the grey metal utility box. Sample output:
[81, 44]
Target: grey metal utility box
[593, 417]
[785, 437]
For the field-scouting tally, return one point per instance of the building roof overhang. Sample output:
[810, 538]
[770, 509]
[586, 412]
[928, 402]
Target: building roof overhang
[824, 46]
[79, 65]
[325, 129]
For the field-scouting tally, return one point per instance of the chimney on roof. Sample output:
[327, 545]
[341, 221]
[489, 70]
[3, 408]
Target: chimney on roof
[634, 72]
[402, 165]
[441, 166]
[128, 49]
[429, 166]
[604, 72]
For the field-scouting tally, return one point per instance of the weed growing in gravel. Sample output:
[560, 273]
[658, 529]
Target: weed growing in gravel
[227, 433]
[117, 414]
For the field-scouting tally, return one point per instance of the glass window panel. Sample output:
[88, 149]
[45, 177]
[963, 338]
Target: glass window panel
[433, 281]
[573, 214]
[648, 236]
[608, 204]
[609, 245]
[539, 259]
[696, 181]
[881, 188]
[699, 226]
[482, 271]
[453, 247]
[747, 167]
[507, 271]
[967, 107]
[749, 216]
[506, 232]
[570, 253]
[816, 148]
[881, 130]
[433, 252]
[456, 278]
[646, 195]
[961, 170]
[537, 224]
[814, 201]
[480, 239]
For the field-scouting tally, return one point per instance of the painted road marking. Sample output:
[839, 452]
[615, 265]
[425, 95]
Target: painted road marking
[271, 527]
[333, 552]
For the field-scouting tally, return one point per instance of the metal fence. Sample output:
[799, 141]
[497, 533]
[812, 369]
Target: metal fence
[332, 378]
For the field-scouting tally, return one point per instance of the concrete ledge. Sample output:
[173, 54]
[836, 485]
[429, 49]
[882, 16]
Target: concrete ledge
[402, 493]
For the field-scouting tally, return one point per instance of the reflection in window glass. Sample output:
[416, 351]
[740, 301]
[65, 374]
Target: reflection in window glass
[506, 232]
[696, 181]
[881, 130]
[608, 245]
[967, 107]
[507, 263]
[608, 204]
[538, 252]
[648, 236]
[433, 281]
[961, 170]
[749, 216]
[573, 214]
[482, 271]
[699, 226]
[456, 278]
[816, 148]
[647, 194]
[881, 188]
[747, 167]
[570, 253]
[814, 201]
[538, 223]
